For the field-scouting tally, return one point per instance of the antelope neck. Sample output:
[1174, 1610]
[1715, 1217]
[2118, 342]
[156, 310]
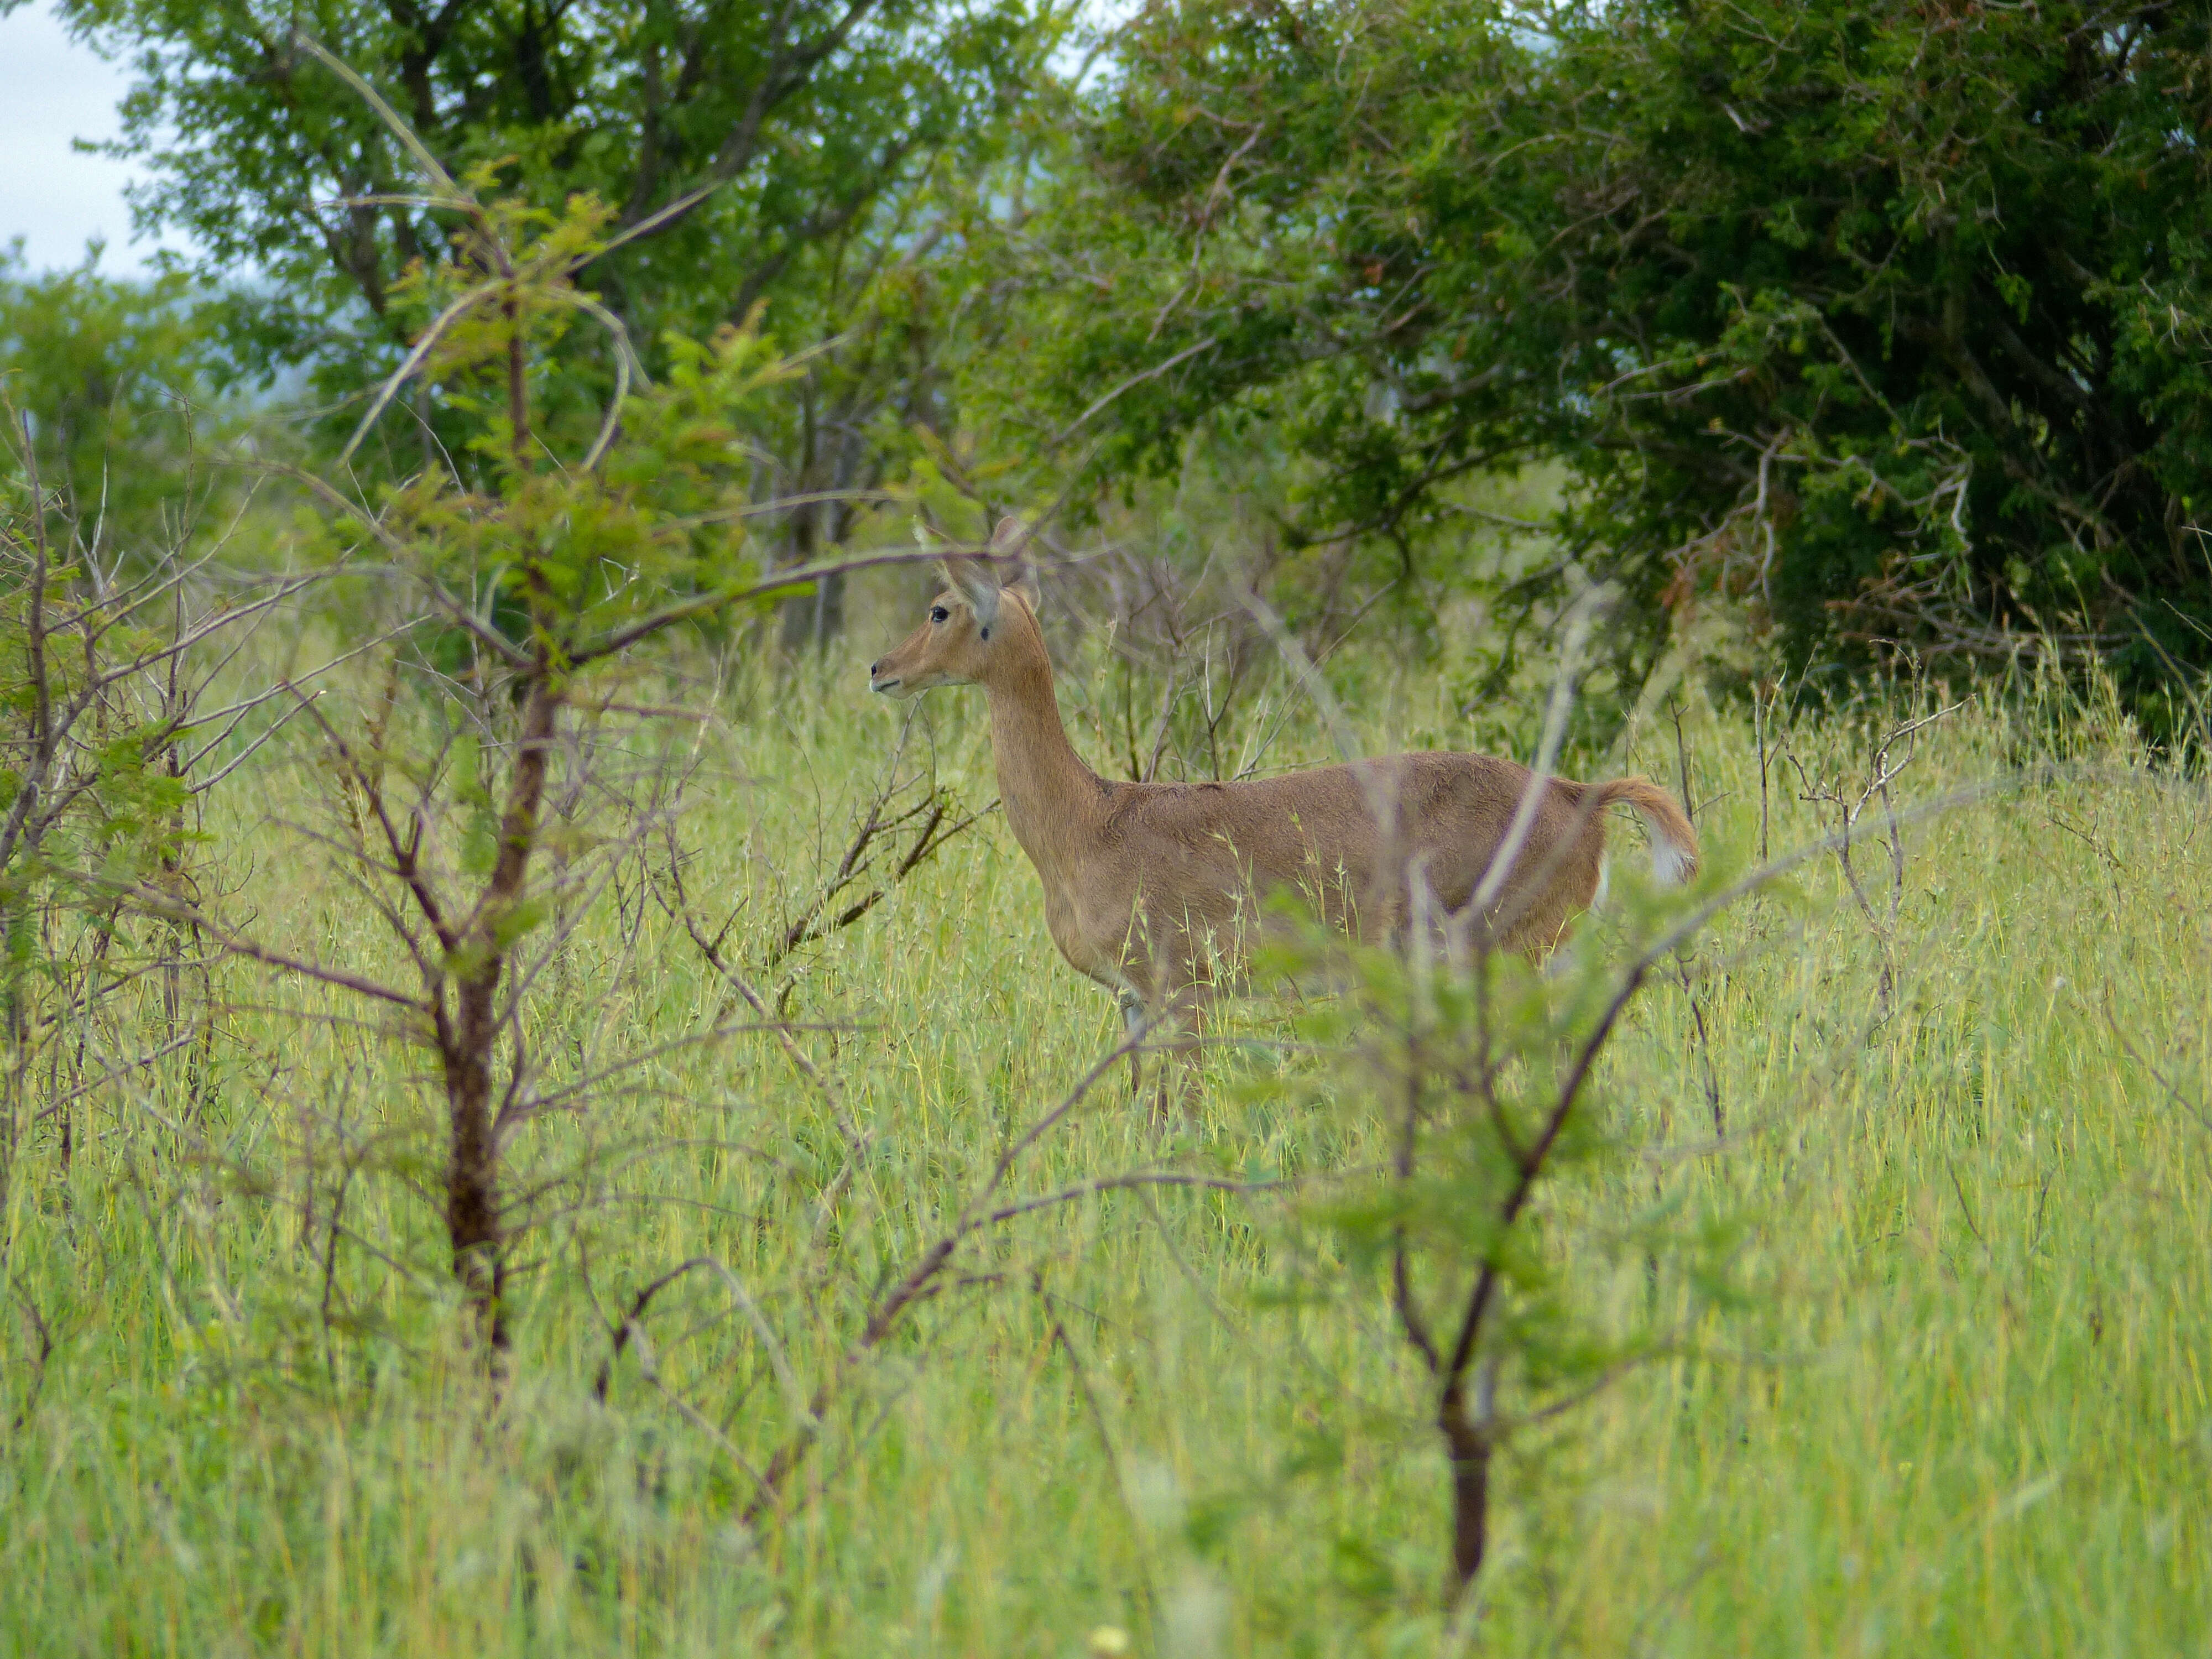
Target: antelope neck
[1051, 796]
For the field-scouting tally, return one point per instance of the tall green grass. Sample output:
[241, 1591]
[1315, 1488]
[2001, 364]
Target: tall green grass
[1960, 1405]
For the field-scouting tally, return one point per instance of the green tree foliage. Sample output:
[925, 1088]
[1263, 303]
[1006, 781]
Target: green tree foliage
[1891, 317]
[814, 156]
[107, 374]
[727, 140]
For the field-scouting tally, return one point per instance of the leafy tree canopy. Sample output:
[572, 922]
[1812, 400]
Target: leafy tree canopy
[1889, 317]
[817, 155]
[727, 140]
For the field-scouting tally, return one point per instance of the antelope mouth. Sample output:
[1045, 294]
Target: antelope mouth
[890, 682]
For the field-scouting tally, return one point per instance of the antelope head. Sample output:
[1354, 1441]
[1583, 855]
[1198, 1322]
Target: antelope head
[957, 640]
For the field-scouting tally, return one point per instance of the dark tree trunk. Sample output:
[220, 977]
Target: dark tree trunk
[472, 1219]
[813, 620]
[1469, 1447]
[816, 618]
[473, 1223]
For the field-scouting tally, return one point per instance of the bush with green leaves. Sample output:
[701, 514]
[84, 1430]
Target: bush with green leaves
[111, 644]
[1888, 321]
[520, 578]
[115, 378]
[1493, 1078]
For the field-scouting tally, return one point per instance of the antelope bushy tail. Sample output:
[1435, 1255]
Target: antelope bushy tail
[1673, 842]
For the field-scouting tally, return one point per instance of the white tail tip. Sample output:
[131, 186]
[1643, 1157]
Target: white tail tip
[1670, 865]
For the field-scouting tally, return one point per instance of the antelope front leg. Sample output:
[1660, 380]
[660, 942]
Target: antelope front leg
[1182, 1030]
[1175, 1028]
[1134, 1021]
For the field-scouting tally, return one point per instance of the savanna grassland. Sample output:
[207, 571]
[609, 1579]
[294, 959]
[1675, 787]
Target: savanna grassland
[536, 1118]
[1950, 1396]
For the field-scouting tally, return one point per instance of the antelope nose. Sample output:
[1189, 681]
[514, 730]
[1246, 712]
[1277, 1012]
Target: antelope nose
[875, 668]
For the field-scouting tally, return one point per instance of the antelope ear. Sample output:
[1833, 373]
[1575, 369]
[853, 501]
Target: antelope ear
[1007, 542]
[972, 579]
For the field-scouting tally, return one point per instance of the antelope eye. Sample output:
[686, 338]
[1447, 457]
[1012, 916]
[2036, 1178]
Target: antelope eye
[938, 613]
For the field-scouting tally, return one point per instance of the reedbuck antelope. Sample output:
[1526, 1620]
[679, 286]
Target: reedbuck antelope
[1149, 887]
